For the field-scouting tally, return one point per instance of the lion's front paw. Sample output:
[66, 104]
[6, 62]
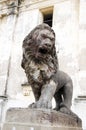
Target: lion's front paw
[40, 104]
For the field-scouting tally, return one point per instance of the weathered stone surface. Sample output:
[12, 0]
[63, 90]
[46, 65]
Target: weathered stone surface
[8, 7]
[39, 118]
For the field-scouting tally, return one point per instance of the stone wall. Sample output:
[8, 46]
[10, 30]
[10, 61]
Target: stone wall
[17, 18]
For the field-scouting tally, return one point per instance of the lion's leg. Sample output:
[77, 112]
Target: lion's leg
[58, 100]
[46, 96]
[67, 98]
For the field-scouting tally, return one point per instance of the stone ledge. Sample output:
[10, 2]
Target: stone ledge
[40, 117]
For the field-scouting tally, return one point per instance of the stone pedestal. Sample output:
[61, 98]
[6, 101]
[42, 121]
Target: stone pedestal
[39, 119]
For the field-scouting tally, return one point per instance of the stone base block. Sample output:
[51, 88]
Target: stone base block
[39, 119]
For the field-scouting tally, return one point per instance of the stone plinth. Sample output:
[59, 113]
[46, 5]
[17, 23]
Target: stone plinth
[39, 119]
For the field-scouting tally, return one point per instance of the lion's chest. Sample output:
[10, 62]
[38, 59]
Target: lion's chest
[39, 72]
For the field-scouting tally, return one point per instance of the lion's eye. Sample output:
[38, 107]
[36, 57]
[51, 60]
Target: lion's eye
[43, 51]
[44, 36]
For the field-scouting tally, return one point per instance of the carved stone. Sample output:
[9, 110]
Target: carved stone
[40, 63]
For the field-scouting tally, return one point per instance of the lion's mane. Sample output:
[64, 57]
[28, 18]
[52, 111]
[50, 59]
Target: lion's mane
[29, 45]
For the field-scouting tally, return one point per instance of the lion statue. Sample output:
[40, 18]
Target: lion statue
[40, 63]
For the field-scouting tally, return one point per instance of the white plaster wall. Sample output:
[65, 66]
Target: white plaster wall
[6, 31]
[82, 47]
[25, 22]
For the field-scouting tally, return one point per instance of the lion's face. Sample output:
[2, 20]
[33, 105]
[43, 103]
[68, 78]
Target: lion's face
[45, 42]
[42, 44]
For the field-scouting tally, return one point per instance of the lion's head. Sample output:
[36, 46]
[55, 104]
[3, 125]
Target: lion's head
[39, 46]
